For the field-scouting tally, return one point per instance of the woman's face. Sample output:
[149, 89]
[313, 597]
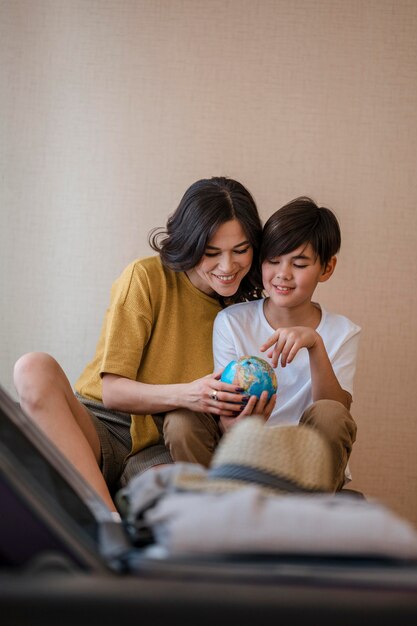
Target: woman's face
[227, 259]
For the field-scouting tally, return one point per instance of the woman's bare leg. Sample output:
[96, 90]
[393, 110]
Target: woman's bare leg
[47, 397]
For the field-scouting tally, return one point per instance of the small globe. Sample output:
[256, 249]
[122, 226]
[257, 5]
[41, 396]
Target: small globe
[253, 374]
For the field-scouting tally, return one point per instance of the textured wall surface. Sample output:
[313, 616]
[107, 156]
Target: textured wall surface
[111, 108]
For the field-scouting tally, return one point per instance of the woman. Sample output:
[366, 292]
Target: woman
[154, 353]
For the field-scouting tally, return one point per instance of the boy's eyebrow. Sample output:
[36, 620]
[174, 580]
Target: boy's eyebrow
[238, 245]
[302, 256]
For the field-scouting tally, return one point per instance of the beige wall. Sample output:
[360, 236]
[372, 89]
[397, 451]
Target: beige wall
[111, 108]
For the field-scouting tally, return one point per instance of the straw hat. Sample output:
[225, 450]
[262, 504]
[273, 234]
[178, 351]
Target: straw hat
[281, 459]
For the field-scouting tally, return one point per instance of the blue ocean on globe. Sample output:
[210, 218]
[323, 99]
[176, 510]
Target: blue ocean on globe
[251, 373]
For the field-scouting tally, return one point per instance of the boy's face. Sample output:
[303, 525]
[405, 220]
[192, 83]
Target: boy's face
[290, 279]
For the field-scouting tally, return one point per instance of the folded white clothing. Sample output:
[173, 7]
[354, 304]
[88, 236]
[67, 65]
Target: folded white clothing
[249, 521]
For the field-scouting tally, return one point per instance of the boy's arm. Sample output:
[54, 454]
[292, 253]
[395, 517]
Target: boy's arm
[286, 342]
[324, 384]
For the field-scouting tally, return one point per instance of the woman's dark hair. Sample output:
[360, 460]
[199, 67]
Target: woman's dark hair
[300, 222]
[205, 206]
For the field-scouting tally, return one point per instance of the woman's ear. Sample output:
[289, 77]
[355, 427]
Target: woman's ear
[328, 270]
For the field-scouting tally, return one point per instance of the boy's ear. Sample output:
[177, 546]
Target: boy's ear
[328, 270]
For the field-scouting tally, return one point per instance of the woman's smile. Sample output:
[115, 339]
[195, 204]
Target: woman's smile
[227, 259]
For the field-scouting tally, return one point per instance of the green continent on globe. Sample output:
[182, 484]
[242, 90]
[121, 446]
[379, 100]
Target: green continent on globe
[253, 374]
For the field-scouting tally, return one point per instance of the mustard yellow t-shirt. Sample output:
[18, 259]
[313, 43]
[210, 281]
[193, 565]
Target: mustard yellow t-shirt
[157, 330]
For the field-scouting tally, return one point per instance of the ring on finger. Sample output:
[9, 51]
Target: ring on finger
[213, 394]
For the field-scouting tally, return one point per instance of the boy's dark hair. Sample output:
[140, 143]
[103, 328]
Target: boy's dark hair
[205, 206]
[300, 222]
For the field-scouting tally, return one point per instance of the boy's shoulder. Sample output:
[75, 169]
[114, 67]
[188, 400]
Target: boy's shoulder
[337, 323]
[242, 309]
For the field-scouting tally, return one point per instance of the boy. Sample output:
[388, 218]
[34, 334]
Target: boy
[313, 351]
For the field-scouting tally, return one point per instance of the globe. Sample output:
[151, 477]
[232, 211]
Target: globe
[253, 374]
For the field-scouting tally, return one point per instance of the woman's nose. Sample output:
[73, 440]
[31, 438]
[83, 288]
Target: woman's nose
[226, 263]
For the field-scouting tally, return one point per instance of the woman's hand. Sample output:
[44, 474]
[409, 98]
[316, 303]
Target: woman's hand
[288, 341]
[207, 395]
[210, 395]
[261, 407]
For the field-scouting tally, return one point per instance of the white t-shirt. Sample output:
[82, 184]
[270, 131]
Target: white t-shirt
[241, 328]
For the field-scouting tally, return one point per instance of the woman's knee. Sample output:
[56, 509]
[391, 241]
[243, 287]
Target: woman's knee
[32, 374]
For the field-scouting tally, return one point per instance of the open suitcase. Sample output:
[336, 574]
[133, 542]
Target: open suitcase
[64, 560]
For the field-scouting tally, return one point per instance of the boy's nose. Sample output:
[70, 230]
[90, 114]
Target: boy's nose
[284, 272]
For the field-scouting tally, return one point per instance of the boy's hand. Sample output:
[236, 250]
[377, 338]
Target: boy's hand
[262, 407]
[288, 341]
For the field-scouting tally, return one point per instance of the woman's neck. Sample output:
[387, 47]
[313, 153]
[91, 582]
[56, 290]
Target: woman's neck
[308, 314]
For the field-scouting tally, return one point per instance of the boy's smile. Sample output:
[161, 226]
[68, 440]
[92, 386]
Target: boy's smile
[283, 289]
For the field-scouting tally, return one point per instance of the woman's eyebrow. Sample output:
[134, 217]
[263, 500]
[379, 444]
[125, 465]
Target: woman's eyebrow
[238, 245]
